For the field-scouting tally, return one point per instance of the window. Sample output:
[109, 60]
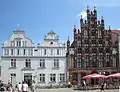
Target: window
[85, 32]
[18, 43]
[91, 22]
[106, 43]
[57, 51]
[24, 52]
[62, 77]
[93, 33]
[35, 49]
[87, 61]
[44, 51]
[79, 43]
[79, 63]
[107, 50]
[6, 52]
[86, 50]
[18, 51]
[79, 50]
[28, 63]
[42, 63]
[51, 51]
[93, 42]
[12, 43]
[93, 50]
[100, 64]
[99, 33]
[86, 42]
[100, 50]
[56, 63]
[13, 63]
[51, 43]
[107, 58]
[30, 51]
[0, 70]
[24, 43]
[52, 77]
[11, 51]
[12, 75]
[100, 58]
[42, 77]
[100, 41]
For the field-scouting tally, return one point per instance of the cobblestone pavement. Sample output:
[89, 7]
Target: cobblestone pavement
[71, 90]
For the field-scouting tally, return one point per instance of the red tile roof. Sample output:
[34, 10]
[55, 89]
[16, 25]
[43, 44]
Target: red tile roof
[115, 31]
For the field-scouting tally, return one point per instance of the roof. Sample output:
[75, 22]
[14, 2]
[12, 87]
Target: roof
[115, 31]
[114, 36]
[73, 44]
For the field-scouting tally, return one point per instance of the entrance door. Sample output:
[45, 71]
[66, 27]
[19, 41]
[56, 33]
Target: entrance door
[28, 78]
[13, 79]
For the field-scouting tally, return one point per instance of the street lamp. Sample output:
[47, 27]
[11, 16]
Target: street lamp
[103, 72]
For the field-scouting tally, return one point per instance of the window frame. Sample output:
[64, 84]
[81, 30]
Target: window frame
[42, 63]
[13, 63]
[62, 77]
[52, 77]
[56, 63]
[28, 63]
[42, 77]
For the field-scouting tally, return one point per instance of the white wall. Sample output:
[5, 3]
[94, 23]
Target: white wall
[35, 58]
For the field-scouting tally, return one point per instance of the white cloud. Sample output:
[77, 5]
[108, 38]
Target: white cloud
[84, 14]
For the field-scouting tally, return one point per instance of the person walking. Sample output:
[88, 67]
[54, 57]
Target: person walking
[10, 89]
[33, 87]
[25, 87]
[19, 87]
[102, 87]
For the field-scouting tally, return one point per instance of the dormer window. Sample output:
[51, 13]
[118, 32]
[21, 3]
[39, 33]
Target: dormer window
[18, 43]
[57, 51]
[51, 43]
[12, 43]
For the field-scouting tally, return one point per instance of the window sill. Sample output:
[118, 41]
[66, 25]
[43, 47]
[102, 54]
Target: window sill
[41, 67]
[41, 82]
[27, 69]
[56, 68]
[12, 67]
[52, 82]
[62, 82]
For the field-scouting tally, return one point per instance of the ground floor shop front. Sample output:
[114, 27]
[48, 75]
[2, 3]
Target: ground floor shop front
[76, 75]
[41, 79]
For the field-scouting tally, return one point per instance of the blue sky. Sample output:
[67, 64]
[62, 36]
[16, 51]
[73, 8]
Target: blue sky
[38, 17]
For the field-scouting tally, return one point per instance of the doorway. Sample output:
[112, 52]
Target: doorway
[13, 79]
[28, 78]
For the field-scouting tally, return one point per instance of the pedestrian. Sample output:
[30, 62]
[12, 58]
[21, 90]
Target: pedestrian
[69, 85]
[84, 82]
[10, 89]
[33, 86]
[102, 87]
[19, 87]
[25, 87]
